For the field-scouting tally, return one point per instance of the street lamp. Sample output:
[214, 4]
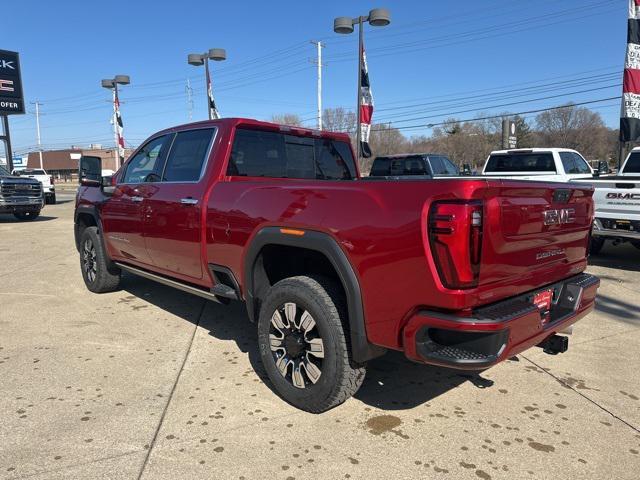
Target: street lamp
[112, 84]
[378, 17]
[197, 59]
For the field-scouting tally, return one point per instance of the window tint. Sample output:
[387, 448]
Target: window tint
[380, 167]
[581, 164]
[521, 162]
[270, 154]
[334, 160]
[441, 165]
[568, 162]
[187, 156]
[146, 165]
[633, 163]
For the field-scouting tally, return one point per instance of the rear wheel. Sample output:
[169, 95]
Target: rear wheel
[304, 345]
[596, 245]
[99, 274]
[27, 215]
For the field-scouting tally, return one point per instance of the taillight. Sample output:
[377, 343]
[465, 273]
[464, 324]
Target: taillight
[455, 237]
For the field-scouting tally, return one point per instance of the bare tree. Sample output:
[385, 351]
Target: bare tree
[339, 120]
[292, 119]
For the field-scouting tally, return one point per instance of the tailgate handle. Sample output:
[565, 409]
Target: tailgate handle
[562, 195]
[625, 185]
[189, 201]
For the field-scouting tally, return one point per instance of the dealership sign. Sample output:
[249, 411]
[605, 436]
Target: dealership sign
[11, 97]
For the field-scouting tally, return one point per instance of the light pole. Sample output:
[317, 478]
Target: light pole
[378, 17]
[197, 59]
[112, 84]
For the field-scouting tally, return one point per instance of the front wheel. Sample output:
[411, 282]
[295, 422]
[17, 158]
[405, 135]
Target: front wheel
[98, 273]
[27, 215]
[304, 345]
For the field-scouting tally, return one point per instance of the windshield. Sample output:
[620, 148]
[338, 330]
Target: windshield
[521, 162]
[633, 163]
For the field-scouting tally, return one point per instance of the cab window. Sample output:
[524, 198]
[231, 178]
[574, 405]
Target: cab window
[147, 164]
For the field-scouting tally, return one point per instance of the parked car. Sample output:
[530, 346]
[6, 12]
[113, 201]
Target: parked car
[44, 178]
[425, 164]
[21, 196]
[545, 164]
[617, 205]
[334, 268]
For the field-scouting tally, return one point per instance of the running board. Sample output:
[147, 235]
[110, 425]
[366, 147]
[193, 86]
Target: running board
[169, 282]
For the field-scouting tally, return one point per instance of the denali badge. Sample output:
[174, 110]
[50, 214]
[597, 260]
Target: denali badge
[559, 216]
[550, 253]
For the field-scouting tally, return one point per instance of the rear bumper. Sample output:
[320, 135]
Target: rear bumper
[499, 331]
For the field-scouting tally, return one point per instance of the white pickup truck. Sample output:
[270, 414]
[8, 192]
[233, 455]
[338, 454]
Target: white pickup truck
[617, 202]
[544, 164]
[48, 187]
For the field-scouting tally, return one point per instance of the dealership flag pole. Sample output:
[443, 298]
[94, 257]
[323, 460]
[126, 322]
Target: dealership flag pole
[119, 128]
[630, 111]
[366, 106]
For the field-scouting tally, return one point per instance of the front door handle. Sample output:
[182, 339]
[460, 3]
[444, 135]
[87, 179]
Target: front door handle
[137, 199]
[189, 201]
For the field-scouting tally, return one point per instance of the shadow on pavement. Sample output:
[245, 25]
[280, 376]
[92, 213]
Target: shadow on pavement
[621, 310]
[392, 382]
[9, 218]
[624, 257]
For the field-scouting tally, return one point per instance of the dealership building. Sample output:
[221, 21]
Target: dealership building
[63, 164]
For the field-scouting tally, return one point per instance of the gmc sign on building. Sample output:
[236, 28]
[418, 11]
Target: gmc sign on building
[11, 98]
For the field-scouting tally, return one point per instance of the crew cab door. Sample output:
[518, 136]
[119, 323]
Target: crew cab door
[173, 208]
[122, 213]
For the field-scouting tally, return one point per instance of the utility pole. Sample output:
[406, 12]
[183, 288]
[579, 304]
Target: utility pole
[189, 91]
[37, 104]
[318, 62]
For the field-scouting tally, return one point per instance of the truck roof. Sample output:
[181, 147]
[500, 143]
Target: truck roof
[250, 122]
[418, 154]
[533, 150]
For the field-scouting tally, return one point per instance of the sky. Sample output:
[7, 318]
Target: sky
[435, 60]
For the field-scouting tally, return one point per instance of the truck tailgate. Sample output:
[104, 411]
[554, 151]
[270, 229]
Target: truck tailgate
[617, 198]
[534, 232]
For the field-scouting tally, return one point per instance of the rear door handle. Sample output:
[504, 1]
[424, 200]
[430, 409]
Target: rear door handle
[189, 201]
[137, 199]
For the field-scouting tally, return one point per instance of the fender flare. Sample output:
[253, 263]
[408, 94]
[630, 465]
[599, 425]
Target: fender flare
[361, 349]
[90, 210]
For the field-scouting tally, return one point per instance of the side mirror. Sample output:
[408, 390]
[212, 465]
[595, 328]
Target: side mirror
[603, 167]
[107, 185]
[90, 173]
[466, 169]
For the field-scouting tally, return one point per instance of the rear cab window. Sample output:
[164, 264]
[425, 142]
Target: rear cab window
[521, 163]
[257, 153]
[399, 166]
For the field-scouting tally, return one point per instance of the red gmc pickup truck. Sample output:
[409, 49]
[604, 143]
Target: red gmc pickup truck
[336, 268]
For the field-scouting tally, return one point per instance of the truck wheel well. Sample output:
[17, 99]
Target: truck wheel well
[277, 262]
[83, 221]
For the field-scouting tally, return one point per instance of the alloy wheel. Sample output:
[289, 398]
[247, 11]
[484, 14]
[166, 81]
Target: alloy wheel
[89, 260]
[296, 345]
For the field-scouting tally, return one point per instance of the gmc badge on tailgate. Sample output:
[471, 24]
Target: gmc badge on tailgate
[559, 216]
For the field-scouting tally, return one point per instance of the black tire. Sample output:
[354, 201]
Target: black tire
[27, 215]
[52, 199]
[339, 376]
[596, 245]
[636, 244]
[98, 272]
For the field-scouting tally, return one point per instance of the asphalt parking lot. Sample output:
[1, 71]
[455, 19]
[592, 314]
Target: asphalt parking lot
[149, 382]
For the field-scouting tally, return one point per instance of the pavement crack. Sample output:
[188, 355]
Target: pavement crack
[562, 382]
[173, 389]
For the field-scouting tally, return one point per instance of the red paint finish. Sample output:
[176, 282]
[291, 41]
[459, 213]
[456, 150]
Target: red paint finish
[381, 226]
